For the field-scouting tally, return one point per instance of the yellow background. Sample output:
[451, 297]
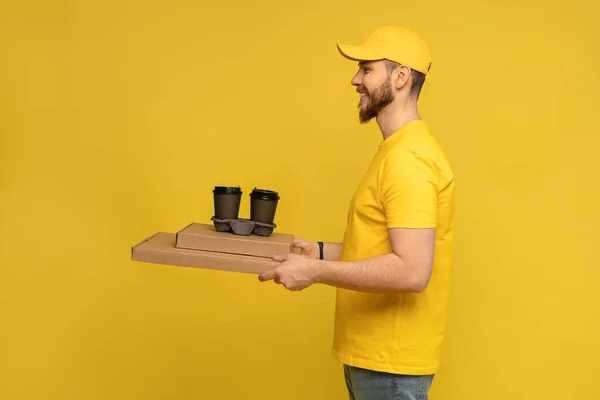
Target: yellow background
[118, 117]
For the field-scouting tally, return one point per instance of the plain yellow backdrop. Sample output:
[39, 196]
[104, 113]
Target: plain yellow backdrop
[118, 117]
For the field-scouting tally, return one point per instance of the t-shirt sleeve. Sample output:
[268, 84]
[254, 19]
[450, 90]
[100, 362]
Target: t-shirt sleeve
[409, 188]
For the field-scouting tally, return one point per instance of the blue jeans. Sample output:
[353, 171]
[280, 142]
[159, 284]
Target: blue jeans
[364, 384]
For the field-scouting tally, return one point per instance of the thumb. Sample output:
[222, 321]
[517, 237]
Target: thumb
[267, 276]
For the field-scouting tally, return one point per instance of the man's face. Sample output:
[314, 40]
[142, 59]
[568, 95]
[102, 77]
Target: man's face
[373, 83]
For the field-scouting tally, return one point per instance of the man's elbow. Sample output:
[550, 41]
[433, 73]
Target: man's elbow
[419, 285]
[415, 276]
[419, 280]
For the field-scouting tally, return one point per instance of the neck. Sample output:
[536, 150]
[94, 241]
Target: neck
[396, 115]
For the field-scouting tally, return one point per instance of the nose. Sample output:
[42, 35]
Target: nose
[357, 79]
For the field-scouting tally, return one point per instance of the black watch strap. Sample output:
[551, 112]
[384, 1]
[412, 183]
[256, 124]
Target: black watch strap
[320, 250]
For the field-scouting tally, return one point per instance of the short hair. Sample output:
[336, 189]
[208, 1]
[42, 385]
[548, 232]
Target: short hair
[418, 78]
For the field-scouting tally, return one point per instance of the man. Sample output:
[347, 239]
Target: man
[392, 270]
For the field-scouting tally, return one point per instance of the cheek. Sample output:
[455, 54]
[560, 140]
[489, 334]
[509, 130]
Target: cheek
[371, 84]
[366, 82]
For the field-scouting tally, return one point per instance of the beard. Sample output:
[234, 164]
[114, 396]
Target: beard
[376, 102]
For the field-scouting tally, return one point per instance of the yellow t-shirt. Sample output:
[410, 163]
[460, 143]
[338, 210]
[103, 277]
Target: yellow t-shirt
[409, 184]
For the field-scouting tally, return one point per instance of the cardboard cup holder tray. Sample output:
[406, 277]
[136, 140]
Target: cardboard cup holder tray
[243, 226]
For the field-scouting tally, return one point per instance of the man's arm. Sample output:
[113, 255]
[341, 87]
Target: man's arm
[332, 251]
[406, 269]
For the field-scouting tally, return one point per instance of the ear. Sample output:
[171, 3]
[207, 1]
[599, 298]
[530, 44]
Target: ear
[401, 77]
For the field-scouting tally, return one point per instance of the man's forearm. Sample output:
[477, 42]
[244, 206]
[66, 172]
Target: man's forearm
[332, 251]
[385, 273]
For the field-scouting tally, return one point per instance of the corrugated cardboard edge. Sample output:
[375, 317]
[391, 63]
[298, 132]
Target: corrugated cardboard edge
[181, 230]
[138, 244]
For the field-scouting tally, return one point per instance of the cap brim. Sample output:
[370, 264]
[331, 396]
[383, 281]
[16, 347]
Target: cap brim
[357, 53]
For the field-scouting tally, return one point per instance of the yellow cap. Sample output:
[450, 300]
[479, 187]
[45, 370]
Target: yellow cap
[393, 43]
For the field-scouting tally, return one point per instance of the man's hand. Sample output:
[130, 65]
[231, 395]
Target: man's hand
[295, 272]
[309, 249]
[331, 251]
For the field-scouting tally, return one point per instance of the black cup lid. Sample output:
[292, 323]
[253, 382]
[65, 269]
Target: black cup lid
[227, 190]
[264, 194]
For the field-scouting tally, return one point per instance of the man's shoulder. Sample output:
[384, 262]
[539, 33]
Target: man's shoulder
[420, 145]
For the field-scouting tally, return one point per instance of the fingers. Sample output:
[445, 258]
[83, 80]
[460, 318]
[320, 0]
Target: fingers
[273, 274]
[309, 249]
[267, 276]
[305, 244]
[270, 275]
[280, 258]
